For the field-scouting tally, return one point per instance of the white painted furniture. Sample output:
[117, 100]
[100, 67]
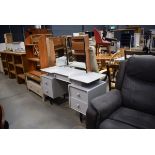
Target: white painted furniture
[80, 96]
[82, 86]
[35, 87]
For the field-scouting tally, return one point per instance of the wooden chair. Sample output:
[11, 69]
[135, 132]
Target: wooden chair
[100, 42]
[112, 68]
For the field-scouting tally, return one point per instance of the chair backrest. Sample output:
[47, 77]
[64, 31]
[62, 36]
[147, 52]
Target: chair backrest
[138, 83]
[97, 36]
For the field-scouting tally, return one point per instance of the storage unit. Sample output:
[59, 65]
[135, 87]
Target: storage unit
[4, 63]
[20, 66]
[80, 96]
[14, 65]
[52, 87]
[37, 56]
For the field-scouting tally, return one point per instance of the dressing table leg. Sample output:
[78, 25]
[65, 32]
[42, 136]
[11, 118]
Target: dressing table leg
[81, 117]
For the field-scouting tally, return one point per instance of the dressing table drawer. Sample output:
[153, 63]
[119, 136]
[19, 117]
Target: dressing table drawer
[78, 94]
[47, 86]
[62, 77]
[78, 105]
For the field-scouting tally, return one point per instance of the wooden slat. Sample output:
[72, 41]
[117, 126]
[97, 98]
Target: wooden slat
[19, 65]
[34, 59]
[12, 71]
[36, 73]
[22, 76]
[32, 76]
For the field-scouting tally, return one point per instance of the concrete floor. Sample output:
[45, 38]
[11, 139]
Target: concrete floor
[26, 110]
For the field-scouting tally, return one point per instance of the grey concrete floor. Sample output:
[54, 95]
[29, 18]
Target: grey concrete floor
[26, 110]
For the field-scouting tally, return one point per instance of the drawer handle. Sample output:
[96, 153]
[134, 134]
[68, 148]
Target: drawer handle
[78, 94]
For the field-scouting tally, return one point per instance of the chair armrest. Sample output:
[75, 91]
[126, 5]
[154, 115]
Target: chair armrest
[101, 107]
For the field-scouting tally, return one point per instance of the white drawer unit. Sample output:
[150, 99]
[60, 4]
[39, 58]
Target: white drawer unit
[79, 97]
[52, 87]
[35, 87]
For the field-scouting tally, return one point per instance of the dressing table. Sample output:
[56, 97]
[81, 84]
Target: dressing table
[81, 86]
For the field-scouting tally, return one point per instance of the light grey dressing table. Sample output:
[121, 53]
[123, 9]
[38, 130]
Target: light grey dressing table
[81, 86]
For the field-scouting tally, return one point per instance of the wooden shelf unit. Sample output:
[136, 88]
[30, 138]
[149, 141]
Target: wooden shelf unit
[38, 57]
[4, 62]
[36, 52]
[15, 65]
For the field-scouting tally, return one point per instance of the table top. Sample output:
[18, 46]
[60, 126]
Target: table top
[74, 74]
[62, 70]
[87, 77]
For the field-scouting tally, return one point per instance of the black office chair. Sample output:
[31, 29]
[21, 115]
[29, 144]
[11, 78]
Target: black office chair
[132, 104]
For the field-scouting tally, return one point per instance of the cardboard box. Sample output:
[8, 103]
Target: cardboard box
[8, 38]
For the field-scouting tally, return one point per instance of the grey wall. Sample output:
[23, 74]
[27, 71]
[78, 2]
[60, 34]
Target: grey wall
[18, 30]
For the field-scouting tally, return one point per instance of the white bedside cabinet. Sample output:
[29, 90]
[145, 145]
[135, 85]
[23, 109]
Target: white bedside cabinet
[80, 96]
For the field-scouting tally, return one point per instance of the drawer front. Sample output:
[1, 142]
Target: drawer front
[46, 82]
[62, 78]
[78, 105]
[47, 86]
[35, 87]
[78, 94]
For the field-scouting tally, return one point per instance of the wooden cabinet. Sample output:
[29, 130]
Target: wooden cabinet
[14, 65]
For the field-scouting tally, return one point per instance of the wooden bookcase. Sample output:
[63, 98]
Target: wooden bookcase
[80, 45]
[4, 63]
[11, 65]
[20, 63]
[38, 57]
[14, 65]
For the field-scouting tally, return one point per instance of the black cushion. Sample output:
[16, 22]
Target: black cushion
[134, 118]
[113, 124]
[141, 67]
[138, 88]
